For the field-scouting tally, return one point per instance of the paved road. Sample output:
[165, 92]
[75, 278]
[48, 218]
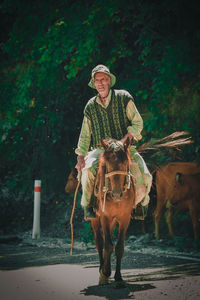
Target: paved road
[31, 272]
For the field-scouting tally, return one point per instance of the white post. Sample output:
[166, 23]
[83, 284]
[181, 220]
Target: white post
[36, 215]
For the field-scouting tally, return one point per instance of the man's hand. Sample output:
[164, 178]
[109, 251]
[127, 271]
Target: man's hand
[81, 163]
[133, 140]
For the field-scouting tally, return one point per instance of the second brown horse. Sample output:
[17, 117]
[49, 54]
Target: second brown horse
[115, 201]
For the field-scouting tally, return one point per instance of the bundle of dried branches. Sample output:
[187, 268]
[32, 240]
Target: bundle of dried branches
[158, 152]
[174, 140]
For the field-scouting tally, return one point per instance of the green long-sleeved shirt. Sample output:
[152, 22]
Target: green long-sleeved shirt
[86, 131]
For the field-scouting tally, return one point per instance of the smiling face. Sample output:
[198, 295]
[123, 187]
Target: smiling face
[102, 84]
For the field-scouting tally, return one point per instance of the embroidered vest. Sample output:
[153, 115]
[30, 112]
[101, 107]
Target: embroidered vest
[110, 121]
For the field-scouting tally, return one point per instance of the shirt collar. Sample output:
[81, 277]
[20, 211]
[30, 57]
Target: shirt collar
[107, 101]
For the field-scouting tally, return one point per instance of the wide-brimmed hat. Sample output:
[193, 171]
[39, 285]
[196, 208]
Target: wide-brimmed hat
[101, 69]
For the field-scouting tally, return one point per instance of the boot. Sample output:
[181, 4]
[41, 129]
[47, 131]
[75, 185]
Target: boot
[88, 210]
[140, 212]
[89, 213]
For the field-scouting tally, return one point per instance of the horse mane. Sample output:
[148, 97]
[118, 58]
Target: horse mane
[100, 178]
[116, 146]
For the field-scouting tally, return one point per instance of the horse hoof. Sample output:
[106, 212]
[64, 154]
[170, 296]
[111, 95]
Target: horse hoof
[103, 282]
[119, 284]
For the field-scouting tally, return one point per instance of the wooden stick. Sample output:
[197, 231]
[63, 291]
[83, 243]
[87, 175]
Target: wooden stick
[72, 214]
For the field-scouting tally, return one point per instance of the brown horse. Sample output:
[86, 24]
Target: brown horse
[114, 190]
[72, 181]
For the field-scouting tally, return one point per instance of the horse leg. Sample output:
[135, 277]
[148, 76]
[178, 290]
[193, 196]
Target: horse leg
[157, 217]
[143, 226]
[169, 220]
[195, 222]
[119, 251]
[105, 271]
[98, 239]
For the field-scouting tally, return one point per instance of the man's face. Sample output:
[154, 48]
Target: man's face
[102, 83]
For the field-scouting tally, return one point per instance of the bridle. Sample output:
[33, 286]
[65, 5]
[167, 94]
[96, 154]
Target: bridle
[118, 172]
[116, 146]
[127, 186]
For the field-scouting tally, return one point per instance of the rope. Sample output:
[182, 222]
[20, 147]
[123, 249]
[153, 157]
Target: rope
[104, 200]
[117, 172]
[72, 214]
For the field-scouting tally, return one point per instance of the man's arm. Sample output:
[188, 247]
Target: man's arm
[83, 143]
[136, 121]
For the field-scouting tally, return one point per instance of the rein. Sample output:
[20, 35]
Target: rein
[118, 172]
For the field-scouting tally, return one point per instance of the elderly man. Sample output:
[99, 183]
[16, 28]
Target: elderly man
[111, 113]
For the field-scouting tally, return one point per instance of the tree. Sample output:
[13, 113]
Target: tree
[48, 51]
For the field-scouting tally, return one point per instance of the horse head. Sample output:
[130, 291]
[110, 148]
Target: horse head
[116, 165]
[72, 181]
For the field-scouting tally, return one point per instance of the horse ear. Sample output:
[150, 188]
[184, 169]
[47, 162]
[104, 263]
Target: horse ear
[104, 143]
[126, 143]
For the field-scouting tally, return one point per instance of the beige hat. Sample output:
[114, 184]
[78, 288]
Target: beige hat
[101, 69]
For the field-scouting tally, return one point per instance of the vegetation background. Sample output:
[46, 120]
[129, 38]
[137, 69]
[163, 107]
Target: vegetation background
[48, 49]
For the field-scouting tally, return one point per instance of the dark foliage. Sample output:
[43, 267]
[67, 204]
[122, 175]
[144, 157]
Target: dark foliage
[48, 49]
